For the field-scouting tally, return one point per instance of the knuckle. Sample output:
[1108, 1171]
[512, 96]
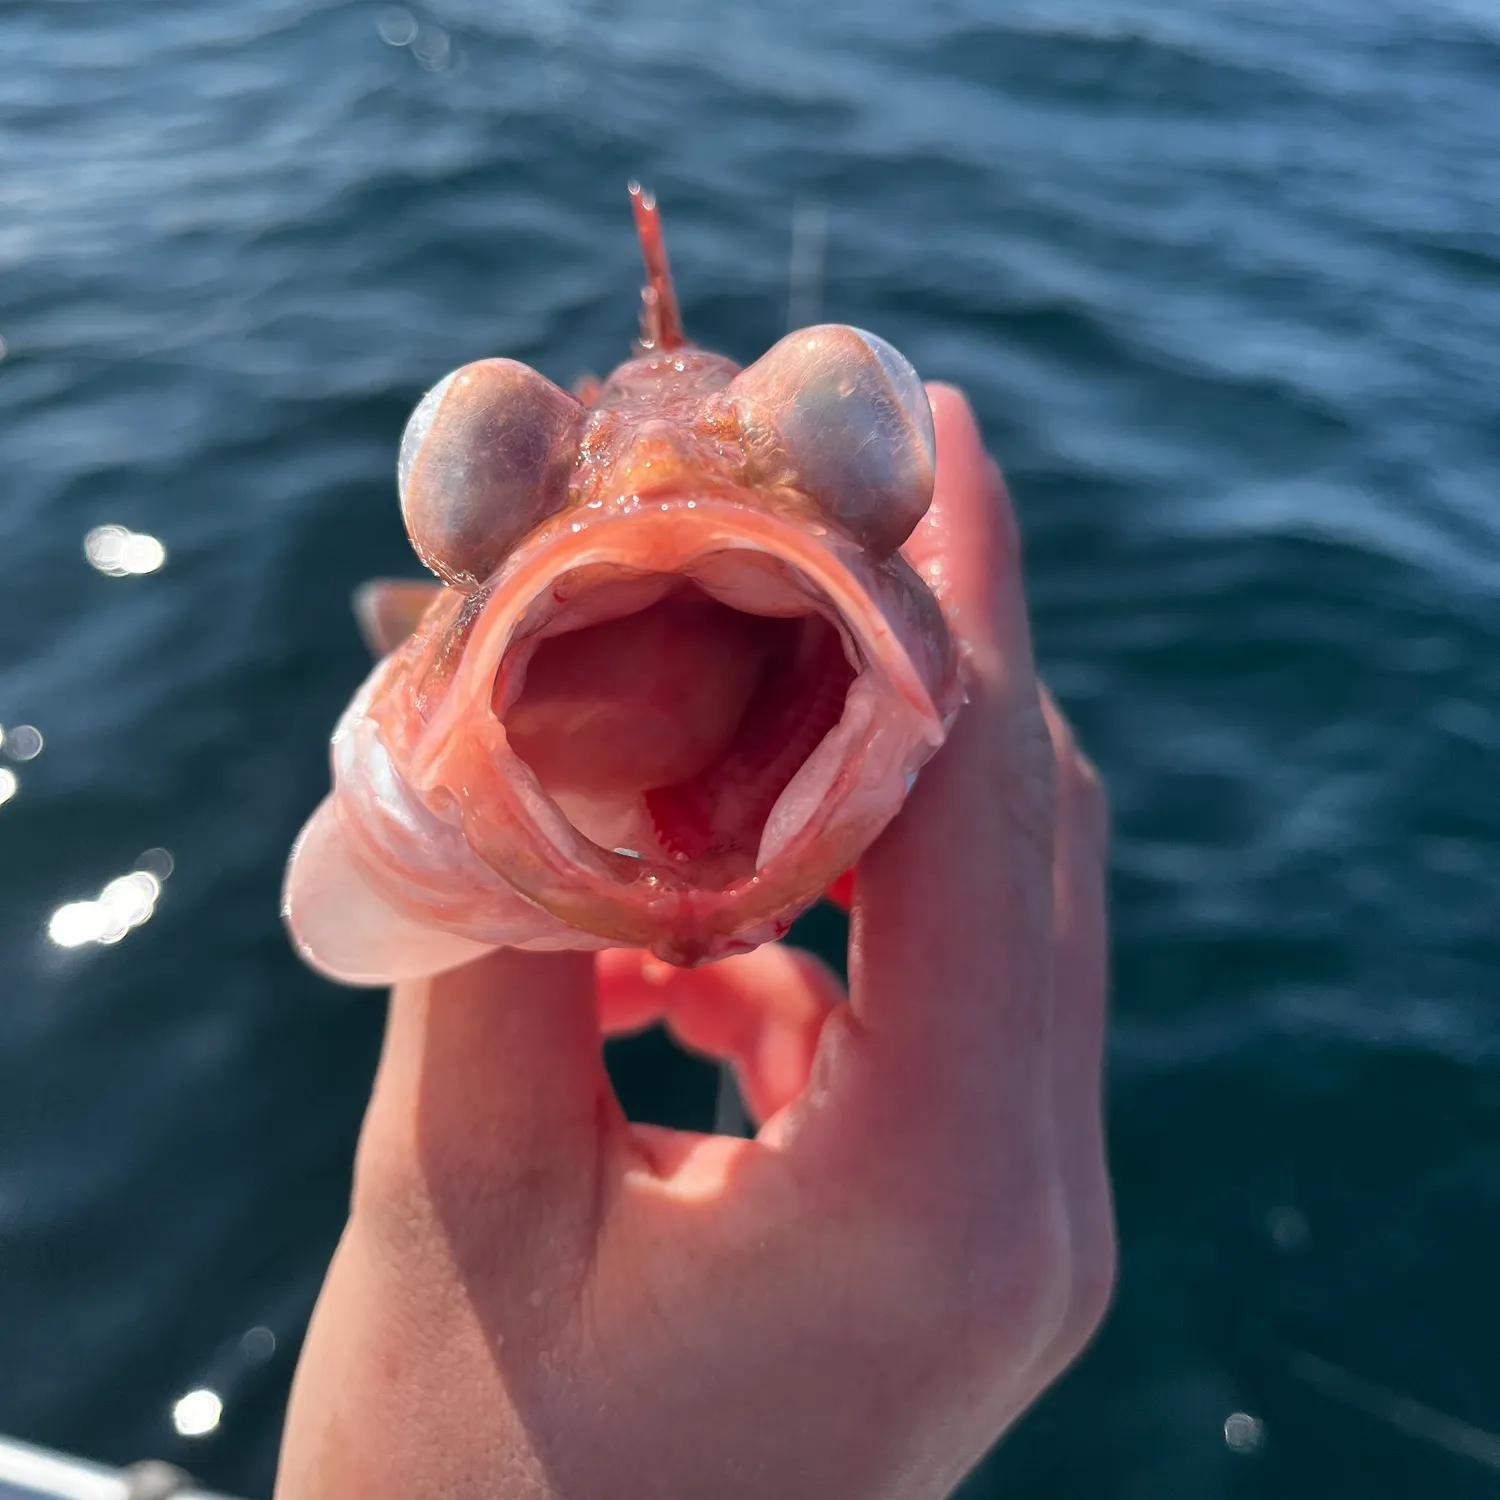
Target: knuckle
[1081, 792]
[990, 1285]
[1021, 1279]
[1094, 1279]
[1091, 799]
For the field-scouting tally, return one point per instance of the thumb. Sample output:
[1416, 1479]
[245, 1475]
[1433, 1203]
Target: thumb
[491, 1103]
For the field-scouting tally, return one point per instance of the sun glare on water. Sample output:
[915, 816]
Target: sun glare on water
[127, 902]
[197, 1413]
[118, 552]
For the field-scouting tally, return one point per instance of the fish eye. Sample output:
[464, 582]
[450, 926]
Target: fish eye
[417, 426]
[484, 459]
[841, 415]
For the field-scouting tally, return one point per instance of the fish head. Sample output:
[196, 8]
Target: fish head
[679, 673]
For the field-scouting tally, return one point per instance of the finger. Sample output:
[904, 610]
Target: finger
[951, 956]
[1080, 985]
[491, 1101]
[761, 1012]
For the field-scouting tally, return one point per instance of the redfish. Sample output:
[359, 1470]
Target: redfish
[676, 674]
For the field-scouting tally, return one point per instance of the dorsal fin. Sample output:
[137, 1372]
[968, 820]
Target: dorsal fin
[661, 323]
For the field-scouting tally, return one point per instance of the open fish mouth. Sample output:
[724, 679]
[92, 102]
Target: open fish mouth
[680, 693]
[666, 714]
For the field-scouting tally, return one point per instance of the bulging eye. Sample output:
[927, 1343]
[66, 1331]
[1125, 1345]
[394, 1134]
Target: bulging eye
[485, 457]
[840, 415]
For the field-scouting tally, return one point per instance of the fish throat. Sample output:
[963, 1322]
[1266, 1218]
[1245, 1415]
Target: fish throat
[675, 717]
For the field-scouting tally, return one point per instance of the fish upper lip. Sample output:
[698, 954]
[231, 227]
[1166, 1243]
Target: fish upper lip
[829, 560]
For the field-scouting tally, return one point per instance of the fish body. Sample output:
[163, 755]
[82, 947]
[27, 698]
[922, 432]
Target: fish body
[676, 674]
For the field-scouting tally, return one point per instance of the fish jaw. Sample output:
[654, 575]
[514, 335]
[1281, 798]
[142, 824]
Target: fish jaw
[437, 816]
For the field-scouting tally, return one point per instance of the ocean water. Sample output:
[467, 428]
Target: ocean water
[1223, 280]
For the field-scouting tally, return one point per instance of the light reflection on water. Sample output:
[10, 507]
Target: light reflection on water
[1242, 1432]
[258, 1344]
[24, 742]
[118, 552]
[127, 902]
[197, 1413]
[397, 26]
[431, 46]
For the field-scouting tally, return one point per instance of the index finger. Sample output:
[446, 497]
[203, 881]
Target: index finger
[950, 962]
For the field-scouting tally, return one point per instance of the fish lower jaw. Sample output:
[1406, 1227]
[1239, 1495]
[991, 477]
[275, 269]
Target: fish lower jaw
[687, 901]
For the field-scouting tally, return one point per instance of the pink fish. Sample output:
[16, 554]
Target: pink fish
[677, 675]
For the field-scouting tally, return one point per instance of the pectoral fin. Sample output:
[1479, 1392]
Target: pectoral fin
[390, 609]
[344, 929]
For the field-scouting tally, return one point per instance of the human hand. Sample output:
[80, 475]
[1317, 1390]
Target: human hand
[535, 1299]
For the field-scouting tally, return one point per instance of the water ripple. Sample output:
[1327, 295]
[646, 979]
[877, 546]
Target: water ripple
[1221, 279]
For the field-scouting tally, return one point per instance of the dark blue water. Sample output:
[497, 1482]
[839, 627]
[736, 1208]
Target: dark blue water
[1223, 280]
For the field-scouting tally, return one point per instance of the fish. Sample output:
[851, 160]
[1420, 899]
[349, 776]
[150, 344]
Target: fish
[675, 671]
